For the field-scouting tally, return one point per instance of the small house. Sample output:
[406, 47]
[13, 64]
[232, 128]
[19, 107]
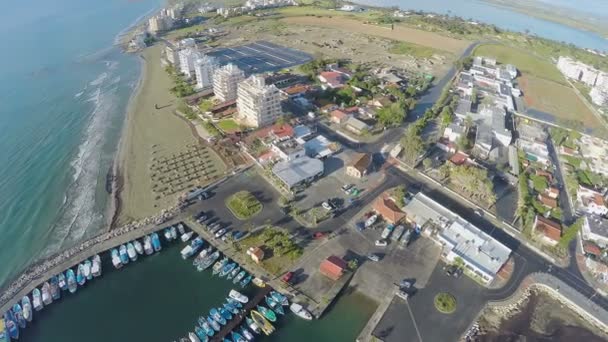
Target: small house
[387, 208]
[333, 267]
[549, 230]
[256, 254]
[356, 126]
[359, 165]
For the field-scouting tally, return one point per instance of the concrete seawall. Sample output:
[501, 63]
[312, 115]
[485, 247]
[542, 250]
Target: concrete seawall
[40, 272]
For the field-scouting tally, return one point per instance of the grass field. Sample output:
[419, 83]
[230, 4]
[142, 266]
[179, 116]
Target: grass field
[244, 205]
[524, 61]
[400, 33]
[557, 99]
[228, 126]
[403, 48]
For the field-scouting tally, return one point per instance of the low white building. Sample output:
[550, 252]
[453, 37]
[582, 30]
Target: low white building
[599, 96]
[591, 201]
[595, 228]
[481, 254]
[453, 132]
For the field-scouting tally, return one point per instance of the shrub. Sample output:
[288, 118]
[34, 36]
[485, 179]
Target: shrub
[445, 303]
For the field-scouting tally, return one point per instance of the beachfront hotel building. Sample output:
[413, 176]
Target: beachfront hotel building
[258, 104]
[187, 57]
[225, 82]
[204, 68]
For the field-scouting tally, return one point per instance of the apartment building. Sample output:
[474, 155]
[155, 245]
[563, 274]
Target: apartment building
[225, 82]
[204, 68]
[258, 104]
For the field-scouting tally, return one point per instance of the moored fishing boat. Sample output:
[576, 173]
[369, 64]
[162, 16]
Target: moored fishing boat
[37, 299]
[236, 337]
[139, 248]
[87, 269]
[269, 314]
[11, 327]
[167, 234]
[55, 291]
[246, 280]
[173, 233]
[239, 277]
[3, 333]
[252, 325]
[148, 245]
[80, 279]
[214, 324]
[234, 302]
[248, 335]
[231, 308]
[202, 256]
[46, 293]
[63, 283]
[72, 286]
[225, 313]
[262, 322]
[200, 332]
[131, 251]
[18, 316]
[236, 295]
[96, 268]
[258, 282]
[279, 298]
[207, 328]
[116, 259]
[26, 305]
[186, 236]
[219, 265]
[215, 314]
[233, 273]
[300, 311]
[274, 305]
[193, 338]
[227, 269]
[124, 256]
[156, 242]
[180, 228]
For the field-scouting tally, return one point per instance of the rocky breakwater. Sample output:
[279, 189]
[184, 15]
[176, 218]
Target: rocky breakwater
[44, 269]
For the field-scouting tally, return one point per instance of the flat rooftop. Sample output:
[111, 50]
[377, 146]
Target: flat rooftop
[261, 56]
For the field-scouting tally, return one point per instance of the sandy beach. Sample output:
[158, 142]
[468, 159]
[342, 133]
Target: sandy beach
[148, 133]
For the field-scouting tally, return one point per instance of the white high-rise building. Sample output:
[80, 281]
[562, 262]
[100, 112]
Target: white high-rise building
[258, 104]
[225, 82]
[187, 57]
[204, 68]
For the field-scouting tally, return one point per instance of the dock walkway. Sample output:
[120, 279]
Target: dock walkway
[235, 322]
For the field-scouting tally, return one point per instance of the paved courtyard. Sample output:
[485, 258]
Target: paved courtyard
[260, 56]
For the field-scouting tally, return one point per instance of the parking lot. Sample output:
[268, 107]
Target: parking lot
[260, 56]
[417, 319]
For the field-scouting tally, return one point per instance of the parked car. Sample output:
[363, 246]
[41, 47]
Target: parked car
[237, 234]
[453, 271]
[327, 206]
[203, 196]
[287, 277]
[360, 226]
[478, 212]
[220, 232]
[374, 257]
[319, 235]
[381, 243]
[346, 188]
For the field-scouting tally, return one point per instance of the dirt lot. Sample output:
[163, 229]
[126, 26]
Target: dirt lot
[399, 33]
[556, 99]
[325, 42]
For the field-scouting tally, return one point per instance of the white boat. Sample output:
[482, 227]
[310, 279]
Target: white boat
[116, 259]
[87, 269]
[96, 268]
[167, 234]
[193, 337]
[236, 295]
[180, 228]
[148, 245]
[186, 236]
[131, 251]
[173, 233]
[187, 252]
[300, 311]
[139, 248]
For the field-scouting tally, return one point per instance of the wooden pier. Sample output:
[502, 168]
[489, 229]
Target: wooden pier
[237, 320]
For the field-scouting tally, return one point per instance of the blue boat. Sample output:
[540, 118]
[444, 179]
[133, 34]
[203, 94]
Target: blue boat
[28, 312]
[279, 298]
[124, 255]
[239, 277]
[10, 326]
[18, 316]
[200, 333]
[227, 340]
[55, 290]
[246, 280]
[156, 242]
[231, 308]
[276, 307]
[227, 269]
[217, 316]
[234, 302]
[233, 273]
[62, 281]
[225, 313]
[72, 286]
[80, 278]
[213, 323]
[206, 327]
[219, 265]
[236, 337]
[196, 244]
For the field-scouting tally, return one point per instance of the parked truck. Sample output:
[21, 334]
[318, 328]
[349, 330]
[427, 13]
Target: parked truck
[387, 231]
[397, 233]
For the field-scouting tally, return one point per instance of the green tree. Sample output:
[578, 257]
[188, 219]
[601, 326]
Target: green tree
[570, 233]
[474, 182]
[412, 144]
[446, 116]
[427, 163]
[399, 195]
[444, 171]
[393, 115]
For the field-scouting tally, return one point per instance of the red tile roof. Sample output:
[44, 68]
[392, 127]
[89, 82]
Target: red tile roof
[282, 131]
[335, 79]
[547, 201]
[333, 267]
[296, 89]
[459, 158]
[548, 228]
[339, 114]
[388, 209]
[591, 248]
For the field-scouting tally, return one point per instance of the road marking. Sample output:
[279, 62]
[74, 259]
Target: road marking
[407, 303]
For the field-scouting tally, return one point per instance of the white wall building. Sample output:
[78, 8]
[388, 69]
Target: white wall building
[590, 201]
[159, 23]
[187, 57]
[595, 228]
[599, 96]
[204, 68]
[225, 82]
[258, 104]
